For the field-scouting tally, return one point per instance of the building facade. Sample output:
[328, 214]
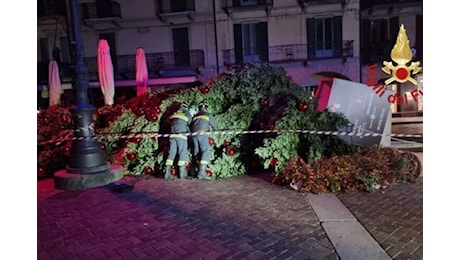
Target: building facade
[192, 40]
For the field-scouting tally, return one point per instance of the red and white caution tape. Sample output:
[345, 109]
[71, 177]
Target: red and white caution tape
[235, 132]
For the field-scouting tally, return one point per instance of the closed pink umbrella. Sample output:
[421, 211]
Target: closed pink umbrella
[54, 82]
[105, 71]
[142, 77]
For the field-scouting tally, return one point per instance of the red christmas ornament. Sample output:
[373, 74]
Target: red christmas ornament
[187, 165]
[263, 102]
[274, 162]
[208, 172]
[131, 156]
[174, 171]
[204, 90]
[154, 117]
[157, 110]
[226, 143]
[302, 106]
[137, 140]
[230, 152]
[148, 170]
[211, 141]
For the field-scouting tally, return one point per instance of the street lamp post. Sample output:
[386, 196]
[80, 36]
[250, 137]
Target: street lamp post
[87, 167]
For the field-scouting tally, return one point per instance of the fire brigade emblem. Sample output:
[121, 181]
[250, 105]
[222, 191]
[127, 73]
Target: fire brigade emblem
[401, 54]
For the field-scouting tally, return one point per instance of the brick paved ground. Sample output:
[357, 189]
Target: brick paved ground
[393, 217]
[238, 218]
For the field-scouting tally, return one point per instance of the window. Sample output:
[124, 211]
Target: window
[249, 35]
[248, 2]
[251, 42]
[324, 37]
[379, 31]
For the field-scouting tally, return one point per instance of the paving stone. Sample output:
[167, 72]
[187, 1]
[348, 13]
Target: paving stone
[156, 216]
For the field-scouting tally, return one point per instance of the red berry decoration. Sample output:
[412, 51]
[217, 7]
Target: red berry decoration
[274, 162]
[263, 102]
[137, 140]
[230, 152]
[157, 110]
[211, 141]
[131, 156]
[226, 143]
[208, 172]
[302, 106]
[148, 170]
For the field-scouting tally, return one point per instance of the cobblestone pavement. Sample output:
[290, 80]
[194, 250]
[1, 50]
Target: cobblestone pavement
[244, 217]
[393, 217]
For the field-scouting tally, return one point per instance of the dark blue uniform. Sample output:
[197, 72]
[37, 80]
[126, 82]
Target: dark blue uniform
[180, 121]
[202, 122]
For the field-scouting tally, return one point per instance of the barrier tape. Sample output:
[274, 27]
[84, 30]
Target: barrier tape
[236, 132]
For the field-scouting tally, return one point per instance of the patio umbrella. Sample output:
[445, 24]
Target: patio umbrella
[142, 76]
[105, 71]
[54, 83]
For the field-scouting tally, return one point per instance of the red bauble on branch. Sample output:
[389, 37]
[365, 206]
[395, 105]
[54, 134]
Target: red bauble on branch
[157, 110]
[131, 156]
[274, 162]
[211, 141]
[263, 102]
[208, 172]
[230, 151]
[148, 170]
[226, 143]
[302, 106]
[174, 171]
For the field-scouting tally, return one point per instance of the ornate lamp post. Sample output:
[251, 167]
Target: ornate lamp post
[87, 167]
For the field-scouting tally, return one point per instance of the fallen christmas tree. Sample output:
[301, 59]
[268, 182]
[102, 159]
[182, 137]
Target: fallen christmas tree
[255, 97]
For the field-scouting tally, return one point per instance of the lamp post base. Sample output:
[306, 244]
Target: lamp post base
[64, 180]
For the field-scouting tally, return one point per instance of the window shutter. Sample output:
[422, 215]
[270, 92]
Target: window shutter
[238, 43]
[394, 28]
[263, 41]
[366, 41]
[338, 44]
[311, 38]
[419, 36]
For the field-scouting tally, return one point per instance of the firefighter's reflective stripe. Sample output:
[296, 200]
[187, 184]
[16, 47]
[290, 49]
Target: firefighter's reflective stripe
[178, 136]
[176, 116]
[204, 117]
[169, 162]
[203, 162]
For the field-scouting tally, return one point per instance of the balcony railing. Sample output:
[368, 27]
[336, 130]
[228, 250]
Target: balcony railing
[125, 65]
[176, 6]
[93, 11]
[294, 52]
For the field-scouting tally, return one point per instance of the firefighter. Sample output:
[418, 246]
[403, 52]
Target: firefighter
[180, 122]
[202, 122]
